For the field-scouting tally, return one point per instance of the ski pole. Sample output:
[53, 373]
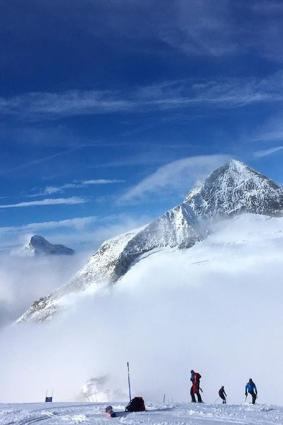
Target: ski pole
[129, 381]
[215, 400]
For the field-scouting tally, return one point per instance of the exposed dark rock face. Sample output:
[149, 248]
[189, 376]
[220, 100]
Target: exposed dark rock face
[38, 245]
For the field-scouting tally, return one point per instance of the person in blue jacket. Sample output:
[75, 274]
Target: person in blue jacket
[252, 390]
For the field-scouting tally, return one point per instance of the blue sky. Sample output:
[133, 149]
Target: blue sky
[111, 109]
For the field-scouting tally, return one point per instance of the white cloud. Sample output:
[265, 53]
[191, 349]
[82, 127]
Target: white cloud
[266, 152]
[223, 293]
[81, 233]
[270, 131]
[77, 185]
[233, 93]
[45, 202]
[271, 135]
[176, 176]
[39, 161]
[71, 102]
[77, 223]
[22, 279]
[206, 28]
[200, 27]
[101, 181]
[210, 28]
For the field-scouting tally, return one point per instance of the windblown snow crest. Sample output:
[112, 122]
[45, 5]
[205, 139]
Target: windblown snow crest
[231, 189]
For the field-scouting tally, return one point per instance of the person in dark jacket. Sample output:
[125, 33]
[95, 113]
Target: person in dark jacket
[195, 388]
[110, 412]
[252, 390]
[222, 394]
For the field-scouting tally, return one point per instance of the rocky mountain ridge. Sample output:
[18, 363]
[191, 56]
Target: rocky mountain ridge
[231, 189]
[38, 245]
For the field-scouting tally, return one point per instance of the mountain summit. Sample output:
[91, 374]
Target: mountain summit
[38, 245]
[231, 189]
[235, 188]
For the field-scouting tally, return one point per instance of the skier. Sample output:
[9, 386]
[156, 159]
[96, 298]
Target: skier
[195, 389]
[252, 390]
[222, 394]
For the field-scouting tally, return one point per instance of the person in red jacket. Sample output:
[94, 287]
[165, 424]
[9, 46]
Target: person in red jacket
[195, 388]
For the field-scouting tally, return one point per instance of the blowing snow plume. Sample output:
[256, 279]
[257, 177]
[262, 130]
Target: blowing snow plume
[213, 307]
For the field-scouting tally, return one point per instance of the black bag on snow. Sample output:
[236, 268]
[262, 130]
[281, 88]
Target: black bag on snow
[136, 405]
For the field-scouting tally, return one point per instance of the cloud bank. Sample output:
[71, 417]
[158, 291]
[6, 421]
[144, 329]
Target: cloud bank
[24, 279]
[215, 308]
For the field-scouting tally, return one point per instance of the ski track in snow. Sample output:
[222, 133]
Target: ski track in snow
[177, 414]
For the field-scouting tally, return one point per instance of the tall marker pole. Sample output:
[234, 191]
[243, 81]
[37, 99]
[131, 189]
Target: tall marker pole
[129, 381]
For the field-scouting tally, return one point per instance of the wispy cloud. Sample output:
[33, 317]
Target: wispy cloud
[77, 185]
[210, 28]
[266, 152]
[192, 27]
[200, 27]
[39, 161]
[46, 202]
[177, 176]
[83, 232]
[270, 130]
[269, 135]
[77, 223]
[181, 94]
[72, 102]
[150, 157]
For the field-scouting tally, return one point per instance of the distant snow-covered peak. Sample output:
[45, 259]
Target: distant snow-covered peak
[235, 188]
[38, 245]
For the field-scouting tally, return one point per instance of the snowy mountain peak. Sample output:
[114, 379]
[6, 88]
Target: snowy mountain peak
[240, 171]
[236, 165]
[38, 245]
[234, 188]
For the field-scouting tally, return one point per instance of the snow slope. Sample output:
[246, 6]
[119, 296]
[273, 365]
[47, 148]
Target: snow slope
[175, 414]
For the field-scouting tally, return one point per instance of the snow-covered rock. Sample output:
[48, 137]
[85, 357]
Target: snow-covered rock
[38, 245]
[236, 188]
[231, 189]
